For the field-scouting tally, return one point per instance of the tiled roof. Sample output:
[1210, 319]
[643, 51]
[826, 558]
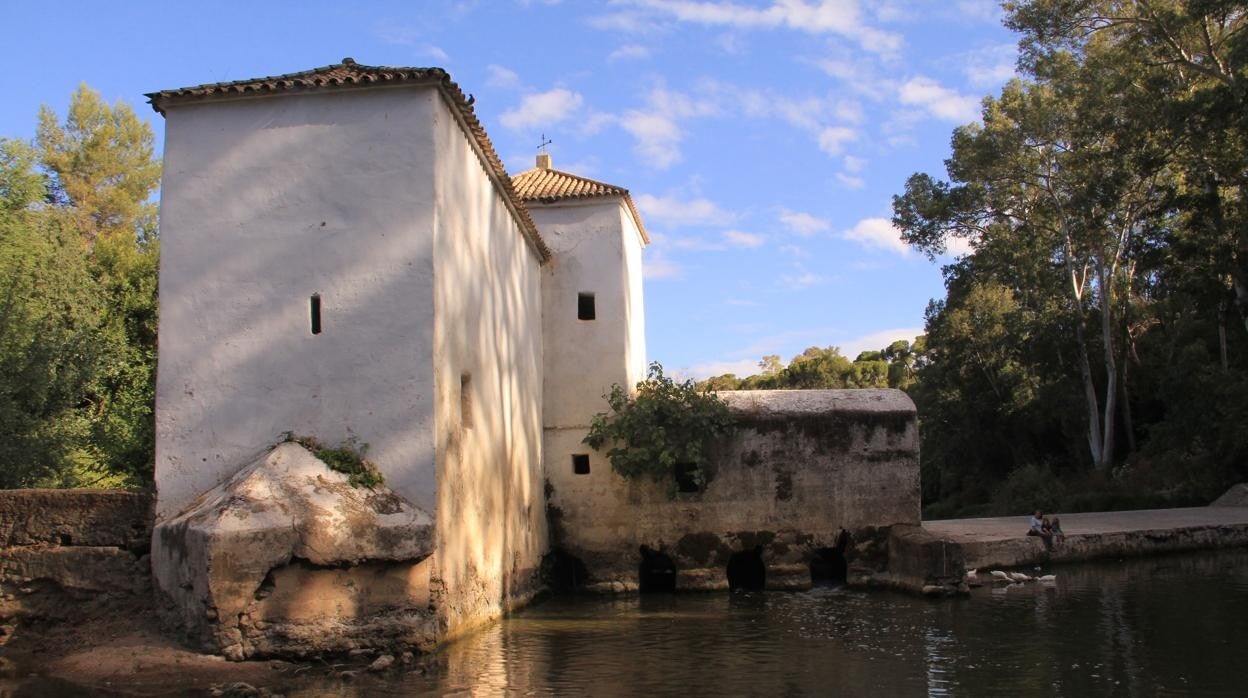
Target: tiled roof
[545, 185]
[349, 74]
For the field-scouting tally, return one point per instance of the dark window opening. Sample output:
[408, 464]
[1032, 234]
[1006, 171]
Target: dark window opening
[688, 477]
[465, 400]
[563, 572]
[580, 463]
[828, 566]
[656, 572]
[65, 539]
[585, 306]
[316, 313]
[747, 571]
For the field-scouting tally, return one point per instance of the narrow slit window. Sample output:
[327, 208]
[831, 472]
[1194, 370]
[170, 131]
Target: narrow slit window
[465, 400]
[585, 306]
[580, 463]
[315, 304]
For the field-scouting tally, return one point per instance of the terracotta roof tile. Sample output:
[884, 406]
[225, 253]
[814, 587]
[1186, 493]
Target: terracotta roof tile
[349, 74]
[545, 185]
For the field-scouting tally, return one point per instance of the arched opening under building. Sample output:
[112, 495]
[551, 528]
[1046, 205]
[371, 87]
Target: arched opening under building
[563, 572]
[656, 572]
[688, 477]
[747, 571]
[828, 566]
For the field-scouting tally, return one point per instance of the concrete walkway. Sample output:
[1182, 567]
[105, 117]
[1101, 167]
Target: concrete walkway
[1003, 541]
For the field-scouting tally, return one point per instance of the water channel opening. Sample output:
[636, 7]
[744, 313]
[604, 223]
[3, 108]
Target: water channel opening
[746, 570]
[656, 572]
[563, 572]
[687, 477]
[828, 566]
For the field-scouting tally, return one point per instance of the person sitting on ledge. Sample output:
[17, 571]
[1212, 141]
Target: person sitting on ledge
[1039, 526]
[1053, 527]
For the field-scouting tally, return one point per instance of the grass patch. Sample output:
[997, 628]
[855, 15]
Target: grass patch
[346, 458]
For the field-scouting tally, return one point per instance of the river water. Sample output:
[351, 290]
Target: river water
[1175, 625]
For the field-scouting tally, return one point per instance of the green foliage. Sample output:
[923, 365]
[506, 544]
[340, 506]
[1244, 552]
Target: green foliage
[826, 367]
[662, 430]
[346, 458]
[78, 268]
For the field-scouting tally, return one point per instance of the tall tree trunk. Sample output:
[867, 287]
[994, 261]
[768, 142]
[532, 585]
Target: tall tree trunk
[1222, 354]
[1111, 368]
[1089, 394]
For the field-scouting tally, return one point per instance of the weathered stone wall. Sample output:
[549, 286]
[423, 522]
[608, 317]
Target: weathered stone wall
[802, 466]
[70, 545]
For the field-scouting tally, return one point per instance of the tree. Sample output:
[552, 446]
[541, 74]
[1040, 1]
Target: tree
[79, 260]
[49, 316]
[1051, 168]
[1193, 56]
[662, 430]
[101, 164]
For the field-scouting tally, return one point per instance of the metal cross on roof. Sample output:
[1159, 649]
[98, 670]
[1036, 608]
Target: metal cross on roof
[541, 148]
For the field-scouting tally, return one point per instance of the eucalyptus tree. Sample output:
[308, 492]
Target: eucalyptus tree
[1193, 57]
[1051, 182]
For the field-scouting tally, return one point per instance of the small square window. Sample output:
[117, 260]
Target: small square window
[585, 306]
[580, 463]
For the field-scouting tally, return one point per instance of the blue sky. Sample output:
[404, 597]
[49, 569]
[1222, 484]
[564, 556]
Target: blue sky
[763, 141]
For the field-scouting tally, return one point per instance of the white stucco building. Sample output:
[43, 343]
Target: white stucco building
[344, 257]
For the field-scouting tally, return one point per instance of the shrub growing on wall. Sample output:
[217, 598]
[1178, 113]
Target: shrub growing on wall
[662, 430]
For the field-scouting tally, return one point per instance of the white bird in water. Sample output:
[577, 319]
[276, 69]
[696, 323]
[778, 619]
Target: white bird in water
[1047, 578]
[998, 574]
[1019, 577]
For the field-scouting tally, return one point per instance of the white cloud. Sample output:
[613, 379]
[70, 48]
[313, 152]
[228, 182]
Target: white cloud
[740, 368]
[501, 77]
[853, 164]
[803, 224]
[628, 52]
[876, 341]
[658, 266]
[992, 65]
[878, 233]
[655, 127]
[804, 279]
[742, 302]
[840, 17]
[938, 100]
[850, 181]
[834, 138]
[674, 211]
[657, 137]
[434, 52]
[794, 251]
[982, 10]
[542, 108]
[958, 247]
[737, 238]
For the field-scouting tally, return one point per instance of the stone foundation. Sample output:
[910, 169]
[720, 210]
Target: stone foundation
[802, 467]
[287, 558]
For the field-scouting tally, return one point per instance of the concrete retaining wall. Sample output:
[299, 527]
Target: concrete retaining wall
[802, 466]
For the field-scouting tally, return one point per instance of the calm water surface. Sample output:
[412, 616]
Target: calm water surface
[1164, 626]
[1174, 625]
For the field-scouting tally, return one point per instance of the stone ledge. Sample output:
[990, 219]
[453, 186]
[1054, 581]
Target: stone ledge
[75, 517]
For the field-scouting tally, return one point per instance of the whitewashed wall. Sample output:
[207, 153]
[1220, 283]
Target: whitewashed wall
[597, 249]
[263, 203]
[491, 513]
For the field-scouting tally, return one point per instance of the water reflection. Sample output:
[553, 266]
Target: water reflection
[1166, 626]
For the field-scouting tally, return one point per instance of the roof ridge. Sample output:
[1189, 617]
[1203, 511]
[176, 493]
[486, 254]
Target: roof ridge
[348, 74]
